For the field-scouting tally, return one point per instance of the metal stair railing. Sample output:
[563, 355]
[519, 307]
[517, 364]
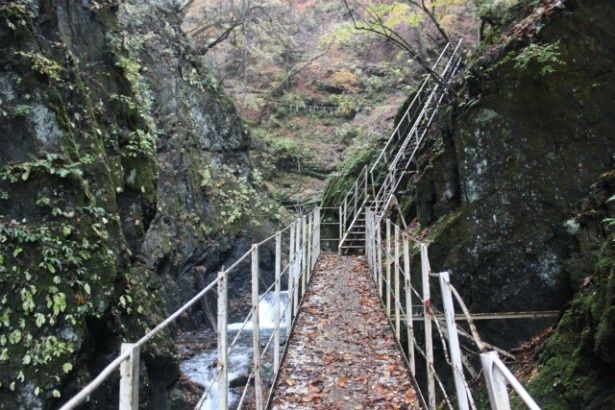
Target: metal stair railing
[378, 181]
[407, 119]
[397, 168]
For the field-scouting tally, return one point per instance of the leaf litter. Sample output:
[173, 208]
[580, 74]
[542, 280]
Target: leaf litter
[342, 353]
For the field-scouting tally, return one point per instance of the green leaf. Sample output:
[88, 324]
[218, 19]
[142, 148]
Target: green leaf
[4, 319]
[40, 319]
[609, 221]
[27, 359]
[59, 303]
[56, 393]
[17, 251]
[87, 289]
[67, 367]
[15, 337]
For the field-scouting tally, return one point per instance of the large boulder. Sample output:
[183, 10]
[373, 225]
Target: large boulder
[535, 131]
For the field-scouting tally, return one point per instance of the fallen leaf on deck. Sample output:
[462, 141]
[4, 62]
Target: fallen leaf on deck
[410, 396]
[341, 334]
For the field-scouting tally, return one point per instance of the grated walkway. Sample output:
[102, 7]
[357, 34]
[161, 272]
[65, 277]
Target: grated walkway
[342, 352]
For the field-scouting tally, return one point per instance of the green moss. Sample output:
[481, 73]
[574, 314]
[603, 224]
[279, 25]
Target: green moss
[240, 208]
[576, 365]
[54, 275]
[282, 151]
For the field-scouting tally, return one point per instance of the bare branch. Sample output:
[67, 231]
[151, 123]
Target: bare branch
[431, 13]
[376, 26]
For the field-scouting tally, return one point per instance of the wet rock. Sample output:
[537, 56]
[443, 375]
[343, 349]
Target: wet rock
[121, 161]
[525, 150]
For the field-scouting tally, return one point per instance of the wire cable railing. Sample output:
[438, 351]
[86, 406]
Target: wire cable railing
[296, 250]
[388, 254]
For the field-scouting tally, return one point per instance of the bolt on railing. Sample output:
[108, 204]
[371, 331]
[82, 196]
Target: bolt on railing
[396, 246]
[303, 247]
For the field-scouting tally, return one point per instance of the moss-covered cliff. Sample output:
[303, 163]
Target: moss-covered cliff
[120, 159]
[534, 132]
[531, 130]
[575, 368]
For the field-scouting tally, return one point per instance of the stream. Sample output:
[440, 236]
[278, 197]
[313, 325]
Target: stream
[201, 368]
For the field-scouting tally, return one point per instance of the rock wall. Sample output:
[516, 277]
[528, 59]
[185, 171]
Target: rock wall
[574, 369]
[534, 131]
[120, 161]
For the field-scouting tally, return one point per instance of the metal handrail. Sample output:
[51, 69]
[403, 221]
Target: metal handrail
[380, 179]
[388, 257]
[304, 250]
[424, 120]
[410, 106]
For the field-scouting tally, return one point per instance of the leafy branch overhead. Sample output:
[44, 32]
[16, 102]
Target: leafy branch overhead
[393, 21]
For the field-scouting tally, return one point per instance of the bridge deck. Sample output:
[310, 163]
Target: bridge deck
[342, 353]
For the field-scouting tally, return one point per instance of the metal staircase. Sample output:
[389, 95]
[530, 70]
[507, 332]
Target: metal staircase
[378, 182]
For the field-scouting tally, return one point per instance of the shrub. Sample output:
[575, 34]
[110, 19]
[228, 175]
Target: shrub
[545, 56]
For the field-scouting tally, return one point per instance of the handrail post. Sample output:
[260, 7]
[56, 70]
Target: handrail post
[369, 241]
[345, 213]
[496, 384]
[409, 321]
[308, 248]
[397, 292]
[340, 231]
[129, 378]
[356, 197]
[431, 384]
[313, 243]
[504, 376]
[304, 252]
[289, 280]
[222, 341]
[365, 174]
[388, 268]
[379, 253]
[316, 241]
[368, 251]
[297, 265]
[256, 342]
[317, 234]
[277, 308]
[453, 340]
[373, 184]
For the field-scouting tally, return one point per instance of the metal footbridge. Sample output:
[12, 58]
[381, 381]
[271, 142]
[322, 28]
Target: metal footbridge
[444, 352]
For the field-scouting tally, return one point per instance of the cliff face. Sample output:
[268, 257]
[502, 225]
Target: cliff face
[120, 159]
[574, 368]
[515, 158]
